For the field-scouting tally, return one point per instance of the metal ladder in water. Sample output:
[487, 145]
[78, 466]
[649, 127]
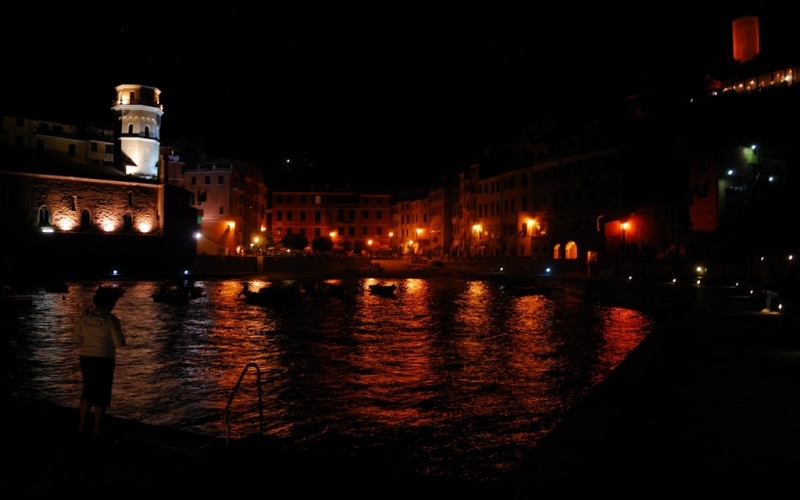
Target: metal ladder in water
[226, 414]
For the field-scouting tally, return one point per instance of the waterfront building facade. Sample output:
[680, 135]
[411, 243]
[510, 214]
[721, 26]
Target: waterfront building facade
[231, 200]
[440, 228]
[355, 221]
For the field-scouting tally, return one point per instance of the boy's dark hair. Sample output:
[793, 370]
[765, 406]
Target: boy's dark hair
[106, 298]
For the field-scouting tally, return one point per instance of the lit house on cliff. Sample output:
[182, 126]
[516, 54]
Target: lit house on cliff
[746, 130]
[751, 71]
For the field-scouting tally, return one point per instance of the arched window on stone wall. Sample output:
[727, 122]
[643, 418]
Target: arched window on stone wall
[557, 251]
[86, 220]
[127, 222]
[44, 217]
[130, 198]
[147, 131]
[130, 128]
[571, 250]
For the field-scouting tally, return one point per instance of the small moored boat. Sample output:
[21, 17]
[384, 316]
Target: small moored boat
[171, 294]
[382, 289]
[272, 294]
[115, 290]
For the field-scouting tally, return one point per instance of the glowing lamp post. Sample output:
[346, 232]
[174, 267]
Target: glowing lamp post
[623, 227]
[476, 229]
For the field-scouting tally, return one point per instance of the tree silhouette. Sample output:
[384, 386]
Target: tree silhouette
[294, 241]
[322, 244]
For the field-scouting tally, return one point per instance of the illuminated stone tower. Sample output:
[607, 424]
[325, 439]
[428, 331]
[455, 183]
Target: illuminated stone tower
[139, 112]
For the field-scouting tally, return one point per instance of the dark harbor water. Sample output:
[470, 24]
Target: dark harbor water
[449, 378]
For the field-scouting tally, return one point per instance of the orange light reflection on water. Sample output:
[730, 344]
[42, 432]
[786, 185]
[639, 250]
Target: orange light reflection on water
[459, 363]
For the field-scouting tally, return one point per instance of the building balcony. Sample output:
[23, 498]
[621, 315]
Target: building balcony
[135, 102]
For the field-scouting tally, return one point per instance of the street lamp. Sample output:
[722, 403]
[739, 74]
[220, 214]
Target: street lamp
[623, 227]
[476, 229]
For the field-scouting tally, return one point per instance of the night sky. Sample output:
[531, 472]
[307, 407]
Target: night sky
[364, 91]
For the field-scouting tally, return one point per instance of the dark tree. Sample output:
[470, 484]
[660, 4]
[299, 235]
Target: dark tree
[322, 244]
[359, 246]
[295, 241]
